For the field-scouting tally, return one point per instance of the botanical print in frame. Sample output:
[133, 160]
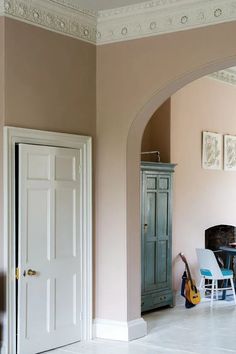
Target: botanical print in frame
[212, 151]
[230, 153]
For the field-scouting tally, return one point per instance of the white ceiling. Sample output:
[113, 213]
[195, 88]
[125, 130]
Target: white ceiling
[101, 5]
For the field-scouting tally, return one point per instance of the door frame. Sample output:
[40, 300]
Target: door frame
[11, 137]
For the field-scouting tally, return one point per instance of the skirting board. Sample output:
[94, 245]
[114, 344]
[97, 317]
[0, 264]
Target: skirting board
[3, 349]
[117, 330]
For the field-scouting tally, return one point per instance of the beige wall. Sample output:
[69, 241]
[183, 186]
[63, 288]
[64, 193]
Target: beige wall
[50, 84]
[156, 135]
[133, 79]
[2, 54]
[58, 83]
[202, 198]
[2, 110]
[50, 80]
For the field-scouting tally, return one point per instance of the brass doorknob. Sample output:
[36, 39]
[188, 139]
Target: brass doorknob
[31, 272]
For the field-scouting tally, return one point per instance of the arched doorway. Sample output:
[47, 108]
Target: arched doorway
[146, 73]
[133, 158]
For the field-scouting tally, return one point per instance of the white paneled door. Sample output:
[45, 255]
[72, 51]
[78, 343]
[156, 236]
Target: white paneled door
[49, 248]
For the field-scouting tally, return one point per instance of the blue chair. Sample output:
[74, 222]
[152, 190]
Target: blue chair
[209, 269]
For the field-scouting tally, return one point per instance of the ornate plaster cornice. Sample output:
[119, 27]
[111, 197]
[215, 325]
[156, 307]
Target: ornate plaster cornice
[159, 17]
[145, 19]
[1, 8]
[228, 75]
[58, 16]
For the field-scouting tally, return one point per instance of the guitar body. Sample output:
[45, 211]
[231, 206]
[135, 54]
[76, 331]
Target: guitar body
[191, 292]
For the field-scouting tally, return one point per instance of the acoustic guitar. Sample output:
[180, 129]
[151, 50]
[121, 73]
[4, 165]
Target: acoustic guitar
[191, 291]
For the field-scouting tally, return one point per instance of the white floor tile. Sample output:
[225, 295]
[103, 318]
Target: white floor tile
[200, 330]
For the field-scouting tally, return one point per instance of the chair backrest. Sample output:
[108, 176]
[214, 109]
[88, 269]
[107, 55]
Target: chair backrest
[207, 262]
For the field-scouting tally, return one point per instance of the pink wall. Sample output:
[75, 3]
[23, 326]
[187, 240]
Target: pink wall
[156, 135]
[50, 84]
[2, 112]
[2, 57]
[145, 75]
[202, 198]
[59, 83]
[50, 80]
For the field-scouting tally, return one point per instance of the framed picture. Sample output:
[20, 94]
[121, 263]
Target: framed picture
[212, 151]
[229, 153]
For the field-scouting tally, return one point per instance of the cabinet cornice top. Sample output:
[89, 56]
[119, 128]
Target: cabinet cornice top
[158, 166]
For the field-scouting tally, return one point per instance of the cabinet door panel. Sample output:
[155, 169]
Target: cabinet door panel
[163, 215]
[150, 266]
[164, 183]
[162, 263]
[151, 213]
[151, 182]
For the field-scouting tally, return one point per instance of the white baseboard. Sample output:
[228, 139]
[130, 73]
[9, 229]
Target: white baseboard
[118, 330]
[3, 349]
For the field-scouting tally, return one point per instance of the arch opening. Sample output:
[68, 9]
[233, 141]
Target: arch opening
[136, 132]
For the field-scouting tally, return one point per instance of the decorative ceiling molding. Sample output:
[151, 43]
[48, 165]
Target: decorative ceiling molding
[1, 8]
[128, 22]
[58, 16]
[153, 18]
[228, 75]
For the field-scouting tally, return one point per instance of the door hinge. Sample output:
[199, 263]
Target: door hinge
[17, 273]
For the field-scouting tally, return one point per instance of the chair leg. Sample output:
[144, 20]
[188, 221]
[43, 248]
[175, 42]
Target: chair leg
[212, 291]
[217, 298]
[202, 287]
[232, 286]
[202, 283]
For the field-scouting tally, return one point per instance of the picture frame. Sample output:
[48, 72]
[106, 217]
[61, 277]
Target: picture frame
[229, 152]
[212, 151]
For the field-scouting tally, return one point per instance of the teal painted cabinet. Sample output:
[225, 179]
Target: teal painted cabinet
[156, 235]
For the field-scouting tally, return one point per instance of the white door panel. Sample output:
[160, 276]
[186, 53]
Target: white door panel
[49, 303]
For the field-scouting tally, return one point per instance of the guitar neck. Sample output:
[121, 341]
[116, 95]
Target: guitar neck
[187, 268]
[189, 273]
